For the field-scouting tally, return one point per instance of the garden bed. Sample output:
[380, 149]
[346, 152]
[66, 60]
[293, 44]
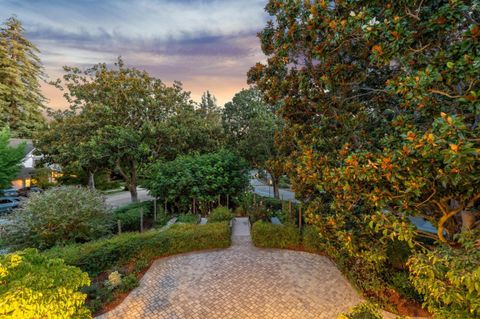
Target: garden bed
[132, 253]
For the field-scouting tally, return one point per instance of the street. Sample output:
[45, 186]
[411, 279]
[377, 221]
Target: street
[123, 198]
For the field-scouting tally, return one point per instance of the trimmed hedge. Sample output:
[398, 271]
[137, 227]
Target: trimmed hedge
[312, 241]
[108, 254]
[268, 235]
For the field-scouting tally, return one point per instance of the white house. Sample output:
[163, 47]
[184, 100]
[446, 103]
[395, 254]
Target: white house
[27, 173]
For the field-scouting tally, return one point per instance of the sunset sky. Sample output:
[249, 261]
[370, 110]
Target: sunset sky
[206, 44]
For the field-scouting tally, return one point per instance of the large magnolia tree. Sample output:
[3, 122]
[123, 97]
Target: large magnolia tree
[381, 101]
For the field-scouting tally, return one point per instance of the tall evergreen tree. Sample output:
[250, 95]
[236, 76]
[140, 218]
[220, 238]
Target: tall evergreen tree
[21, 100]
[10, 158]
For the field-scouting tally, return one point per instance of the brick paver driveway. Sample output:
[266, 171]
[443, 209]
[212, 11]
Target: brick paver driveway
[240, 282]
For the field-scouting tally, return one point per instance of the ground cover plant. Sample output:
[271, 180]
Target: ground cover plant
[188, 218]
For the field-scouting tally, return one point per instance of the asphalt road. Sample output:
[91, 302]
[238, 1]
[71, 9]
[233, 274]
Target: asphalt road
[266, 190]
[123, 198]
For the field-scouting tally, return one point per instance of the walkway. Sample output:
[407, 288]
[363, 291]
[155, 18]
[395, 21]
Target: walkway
[240, 282]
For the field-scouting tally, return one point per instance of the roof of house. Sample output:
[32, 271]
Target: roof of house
[17, 141]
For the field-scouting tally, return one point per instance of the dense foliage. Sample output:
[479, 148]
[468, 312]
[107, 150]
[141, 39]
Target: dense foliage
[34, 286]
[122, 118]
[59, 216]
[220, 214]
[362, 311]
[381, 102]
[10, 158]
[21, 100]
[251, 126]
[202, 178]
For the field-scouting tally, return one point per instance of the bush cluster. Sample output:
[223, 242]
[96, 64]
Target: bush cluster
[362, 311]
[129, 215]
[59, 216]
[220, 214]
[34, 286]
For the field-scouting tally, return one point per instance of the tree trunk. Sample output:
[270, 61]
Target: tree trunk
[275, 181]
[132, 187]
[133, 182]
[91, 180]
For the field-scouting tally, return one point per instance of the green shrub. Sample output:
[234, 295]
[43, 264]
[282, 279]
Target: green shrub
[220, 214]
[267, 235]
[271, 203]
[59, 216]
[188, 219]
[129, 215]
[312, 241]
[33, 286]
[258, 213]
[146, 205]
[110, 254]
[398, 253]
[130, 220]
[400, 281]
[201, 177]
[362, 311]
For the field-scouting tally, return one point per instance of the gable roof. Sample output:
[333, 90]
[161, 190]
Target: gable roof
[14, 142]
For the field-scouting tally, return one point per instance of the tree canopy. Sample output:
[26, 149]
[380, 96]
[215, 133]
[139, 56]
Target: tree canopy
[381, 103]
[123, 118]
[202, 178]
[251, 125]
[21, 99]
[10, 158]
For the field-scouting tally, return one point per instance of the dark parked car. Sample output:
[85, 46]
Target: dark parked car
[11, 192]
[25, 191]
[9, 203]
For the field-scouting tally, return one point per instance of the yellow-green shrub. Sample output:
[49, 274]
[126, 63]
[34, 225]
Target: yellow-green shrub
[34, 286]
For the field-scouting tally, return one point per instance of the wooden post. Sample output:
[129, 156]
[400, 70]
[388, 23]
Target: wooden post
[165, 210]
[141, 220]
[155, 209]
[119, 225]
[289, 210]
[219, 196]
[300, 217]
[194, 206]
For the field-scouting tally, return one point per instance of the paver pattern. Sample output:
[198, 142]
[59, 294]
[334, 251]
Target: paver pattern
[240, 282]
